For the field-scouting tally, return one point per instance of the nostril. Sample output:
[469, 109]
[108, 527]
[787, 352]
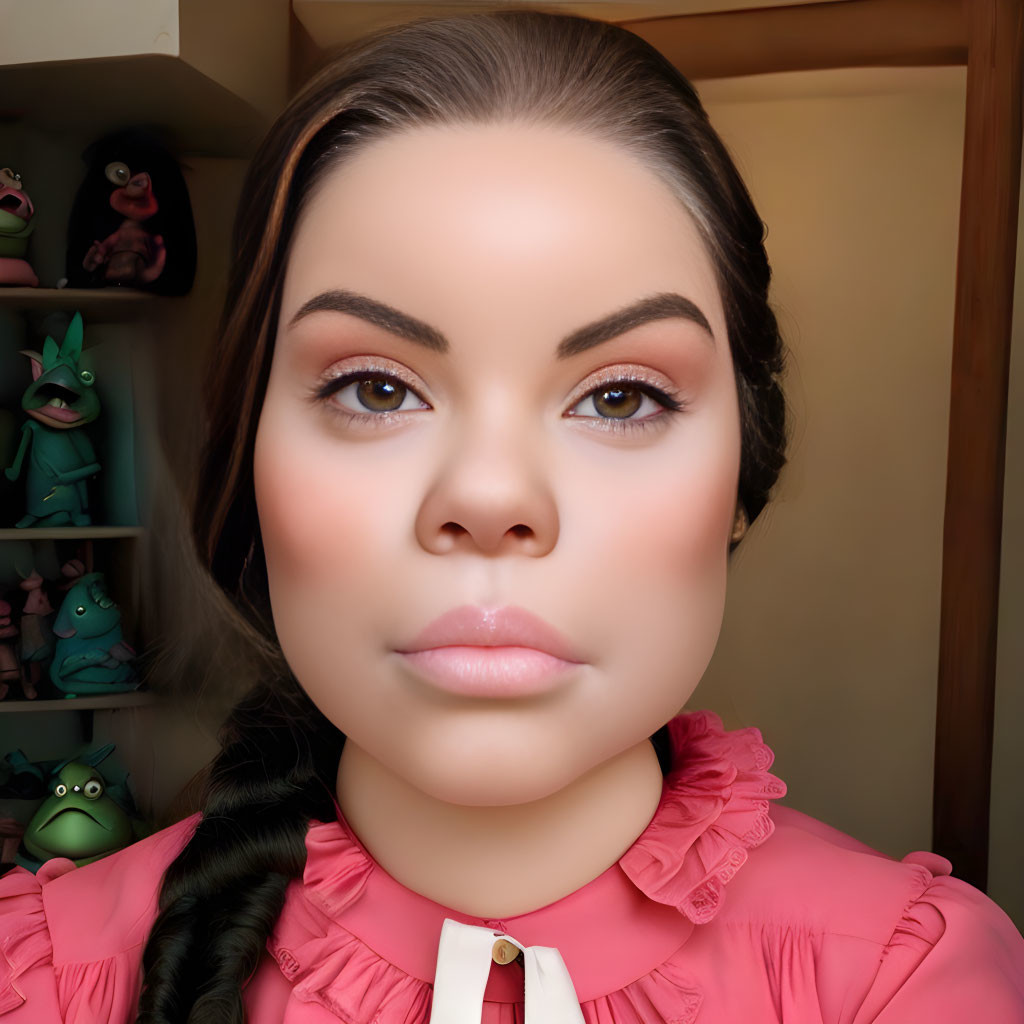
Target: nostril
[520, 530]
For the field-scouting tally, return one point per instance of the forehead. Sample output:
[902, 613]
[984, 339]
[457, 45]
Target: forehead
[522, 217]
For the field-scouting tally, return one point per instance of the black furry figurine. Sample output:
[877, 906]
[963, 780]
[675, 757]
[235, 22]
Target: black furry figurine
[131, 223]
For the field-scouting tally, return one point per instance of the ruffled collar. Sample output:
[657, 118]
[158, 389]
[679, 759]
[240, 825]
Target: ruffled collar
[349, 929]
[713, 809]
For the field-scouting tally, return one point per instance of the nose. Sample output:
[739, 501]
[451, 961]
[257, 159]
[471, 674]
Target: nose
[490, 495]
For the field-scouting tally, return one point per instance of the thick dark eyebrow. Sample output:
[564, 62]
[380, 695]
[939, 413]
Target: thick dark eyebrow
[657, 307]
[374, 312]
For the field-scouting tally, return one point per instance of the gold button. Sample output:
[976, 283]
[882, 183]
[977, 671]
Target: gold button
[504, 952]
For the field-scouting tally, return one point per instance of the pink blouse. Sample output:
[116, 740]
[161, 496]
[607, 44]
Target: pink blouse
[726, 910]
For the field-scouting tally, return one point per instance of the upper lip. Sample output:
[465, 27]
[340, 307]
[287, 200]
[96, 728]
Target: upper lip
[469, 626]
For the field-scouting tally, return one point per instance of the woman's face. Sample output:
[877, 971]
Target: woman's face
[461, 421]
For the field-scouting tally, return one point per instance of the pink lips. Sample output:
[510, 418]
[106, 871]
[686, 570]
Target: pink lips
[504, 652]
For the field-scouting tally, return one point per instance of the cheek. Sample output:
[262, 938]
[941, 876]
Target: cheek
[307, 522]
[660, 568]
[669, 517]
[323, 521]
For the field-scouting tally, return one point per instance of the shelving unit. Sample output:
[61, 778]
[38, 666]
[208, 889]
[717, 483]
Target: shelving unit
[206, 78]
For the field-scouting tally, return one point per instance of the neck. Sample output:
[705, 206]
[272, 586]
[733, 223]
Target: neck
[499, 862]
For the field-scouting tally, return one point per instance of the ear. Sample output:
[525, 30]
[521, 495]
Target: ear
[51, 353]
[71, 347]
[740, 525]
[97, 756]
[37, 362]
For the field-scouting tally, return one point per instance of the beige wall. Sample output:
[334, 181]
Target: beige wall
[830, 644]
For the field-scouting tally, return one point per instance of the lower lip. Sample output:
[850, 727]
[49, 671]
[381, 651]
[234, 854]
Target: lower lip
[490, 671]
[54, 412]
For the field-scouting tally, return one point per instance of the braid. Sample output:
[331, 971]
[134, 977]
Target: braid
[223, 893]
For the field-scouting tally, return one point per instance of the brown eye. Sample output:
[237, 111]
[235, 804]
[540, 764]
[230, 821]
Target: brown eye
[381, 394]
[626, 404]
[364, 392]
[617, 402]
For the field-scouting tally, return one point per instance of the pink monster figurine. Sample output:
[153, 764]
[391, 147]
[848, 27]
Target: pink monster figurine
[131, 254]
[9, 669]
[16, 212]
[37, 643]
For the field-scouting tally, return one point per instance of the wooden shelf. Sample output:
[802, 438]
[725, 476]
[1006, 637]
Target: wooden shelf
[93, 303]
[211, 75]
[108, 702]
[71, 532]
[196, 114]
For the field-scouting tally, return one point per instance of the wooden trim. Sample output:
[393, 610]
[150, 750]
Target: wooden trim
[972, 531]
[858, 33]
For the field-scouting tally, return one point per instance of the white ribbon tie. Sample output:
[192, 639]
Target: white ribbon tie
[464, 962]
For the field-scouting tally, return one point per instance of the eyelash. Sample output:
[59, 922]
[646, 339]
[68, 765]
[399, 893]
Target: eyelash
[670, 402]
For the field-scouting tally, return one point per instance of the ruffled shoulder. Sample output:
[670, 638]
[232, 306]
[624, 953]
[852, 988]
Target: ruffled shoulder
[713, 809]
[954, 954]
[25, 944]
[71, 938]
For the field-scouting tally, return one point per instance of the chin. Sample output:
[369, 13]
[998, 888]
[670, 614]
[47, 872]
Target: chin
[496, 770]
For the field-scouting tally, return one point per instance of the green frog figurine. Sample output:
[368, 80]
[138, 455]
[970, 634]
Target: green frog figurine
[82, 819]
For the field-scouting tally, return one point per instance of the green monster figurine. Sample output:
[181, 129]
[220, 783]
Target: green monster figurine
[83, 819]
[60, 400]
[91, 656]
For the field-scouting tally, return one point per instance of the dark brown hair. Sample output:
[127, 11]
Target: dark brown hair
[277, 768]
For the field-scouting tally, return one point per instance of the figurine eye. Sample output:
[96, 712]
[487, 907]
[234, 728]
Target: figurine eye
[93, 789]
[61, 789]
[80, 610]
[117, 173]
[87, 377]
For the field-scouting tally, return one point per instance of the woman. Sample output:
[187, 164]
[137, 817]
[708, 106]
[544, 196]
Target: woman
[496, 395]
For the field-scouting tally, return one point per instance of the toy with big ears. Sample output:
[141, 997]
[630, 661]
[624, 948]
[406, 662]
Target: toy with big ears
[16, 212]
[60, 400]
[91, 656]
